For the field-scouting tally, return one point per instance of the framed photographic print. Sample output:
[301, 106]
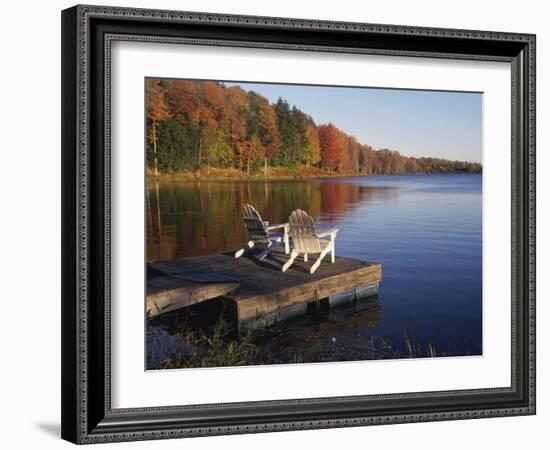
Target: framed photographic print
[281, 224]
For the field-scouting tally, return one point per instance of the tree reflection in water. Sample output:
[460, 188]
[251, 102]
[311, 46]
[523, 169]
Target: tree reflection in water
[199, 218]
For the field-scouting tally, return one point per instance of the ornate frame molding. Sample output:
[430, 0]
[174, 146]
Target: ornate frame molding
[86, 422]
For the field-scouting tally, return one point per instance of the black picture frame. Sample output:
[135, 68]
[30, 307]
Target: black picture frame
[87, 416]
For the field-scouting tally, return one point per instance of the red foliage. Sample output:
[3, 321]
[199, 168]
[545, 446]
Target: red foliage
[330, 148]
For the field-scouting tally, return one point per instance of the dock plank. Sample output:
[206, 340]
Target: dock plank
[167, 293]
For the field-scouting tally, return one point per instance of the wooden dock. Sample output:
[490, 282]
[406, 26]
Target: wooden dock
[259, 289]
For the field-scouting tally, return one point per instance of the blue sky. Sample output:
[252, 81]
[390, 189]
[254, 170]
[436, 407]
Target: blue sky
[416, 123]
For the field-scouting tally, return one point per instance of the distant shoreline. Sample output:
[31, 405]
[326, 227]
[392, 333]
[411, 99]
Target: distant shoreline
[305, 173]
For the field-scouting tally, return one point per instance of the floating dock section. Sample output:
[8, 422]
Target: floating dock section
[262, 293]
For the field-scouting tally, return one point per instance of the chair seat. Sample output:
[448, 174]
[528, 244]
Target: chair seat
[276, 236]
[322, 243]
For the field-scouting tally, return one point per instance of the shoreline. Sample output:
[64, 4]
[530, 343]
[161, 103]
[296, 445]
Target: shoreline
[278, 174]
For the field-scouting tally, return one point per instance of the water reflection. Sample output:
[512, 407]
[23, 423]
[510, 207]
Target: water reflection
[344, 333]
[199, 218]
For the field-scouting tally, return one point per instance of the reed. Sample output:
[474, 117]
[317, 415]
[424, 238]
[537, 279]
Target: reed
[217, 348]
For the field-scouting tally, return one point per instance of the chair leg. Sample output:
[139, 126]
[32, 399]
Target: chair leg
[263, 254]
[287, 244]
[318, 262]
[333, 253]
[293, 256]
[240, 252]
[305, 257]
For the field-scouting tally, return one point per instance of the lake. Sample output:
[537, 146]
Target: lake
[425, 230]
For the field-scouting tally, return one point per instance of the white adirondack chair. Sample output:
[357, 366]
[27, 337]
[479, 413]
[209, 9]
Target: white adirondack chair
[306, 240]
[262, 234]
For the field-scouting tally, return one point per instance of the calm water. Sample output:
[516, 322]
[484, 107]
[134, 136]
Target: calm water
[424, 229]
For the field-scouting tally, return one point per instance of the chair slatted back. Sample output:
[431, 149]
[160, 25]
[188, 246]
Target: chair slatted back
[303, 233]
[254, 224]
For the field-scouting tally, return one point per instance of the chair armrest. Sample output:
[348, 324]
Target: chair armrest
[276, 227]
[331, 233]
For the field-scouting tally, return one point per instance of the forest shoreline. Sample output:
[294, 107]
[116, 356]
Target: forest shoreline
[275, 174]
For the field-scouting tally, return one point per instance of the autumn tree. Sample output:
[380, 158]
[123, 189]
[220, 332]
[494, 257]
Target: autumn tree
[354, 153]
[313, 146]
[263, 122]
[234, 118]
[243, 150]
[211, 96]
[329, 146]
[367, 156]
[157, 110]
[183, 100]
[343, 162]
[362, 161]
